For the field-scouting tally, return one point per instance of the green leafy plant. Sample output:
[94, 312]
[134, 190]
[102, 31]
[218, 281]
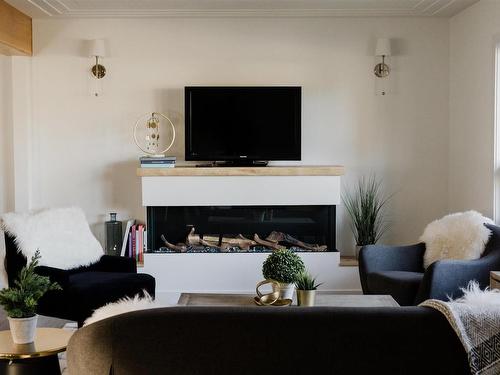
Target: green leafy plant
[365, 206]
[283, 266]
[305, 281]
[21, 300]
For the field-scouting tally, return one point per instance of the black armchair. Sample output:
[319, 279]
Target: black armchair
[399, 271]
[84, 289]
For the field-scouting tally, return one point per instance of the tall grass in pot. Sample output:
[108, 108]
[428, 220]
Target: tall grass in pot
[365, 205]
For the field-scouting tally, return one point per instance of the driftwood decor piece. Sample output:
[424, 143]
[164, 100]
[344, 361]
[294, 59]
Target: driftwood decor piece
[277, 237]
[275, 241]
[269, 244]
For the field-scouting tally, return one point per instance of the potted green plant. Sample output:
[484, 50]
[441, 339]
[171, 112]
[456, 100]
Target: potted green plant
[20, 301]
[283, 266]
[365, 206]
[306, 289]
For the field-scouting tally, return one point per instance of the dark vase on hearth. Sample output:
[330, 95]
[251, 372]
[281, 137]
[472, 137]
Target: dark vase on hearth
[114, 236]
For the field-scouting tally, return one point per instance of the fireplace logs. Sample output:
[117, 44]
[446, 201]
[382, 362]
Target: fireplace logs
[222, 243]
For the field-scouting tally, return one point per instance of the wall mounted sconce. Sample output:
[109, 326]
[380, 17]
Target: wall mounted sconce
[383, 49]
[97, 50]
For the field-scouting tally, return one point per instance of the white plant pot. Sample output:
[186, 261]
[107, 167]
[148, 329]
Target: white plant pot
[286, 290]
[23, 329]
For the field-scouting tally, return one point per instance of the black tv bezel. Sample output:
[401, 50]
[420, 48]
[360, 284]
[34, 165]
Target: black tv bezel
[294, 155]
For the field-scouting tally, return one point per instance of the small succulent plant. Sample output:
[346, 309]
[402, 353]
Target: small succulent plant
[305, 281]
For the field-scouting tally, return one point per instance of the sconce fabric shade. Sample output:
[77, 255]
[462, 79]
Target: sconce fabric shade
[383, 47]
[97, 48]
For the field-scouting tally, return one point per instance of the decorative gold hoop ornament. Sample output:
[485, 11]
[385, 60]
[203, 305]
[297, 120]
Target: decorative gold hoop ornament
[153, 136]
[267, 298]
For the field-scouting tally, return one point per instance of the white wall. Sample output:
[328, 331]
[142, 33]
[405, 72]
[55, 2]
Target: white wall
[6, 147]
[473, 35]
[82, 147]
[6, 137]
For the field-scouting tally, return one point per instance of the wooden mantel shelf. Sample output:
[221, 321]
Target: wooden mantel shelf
[324, 170]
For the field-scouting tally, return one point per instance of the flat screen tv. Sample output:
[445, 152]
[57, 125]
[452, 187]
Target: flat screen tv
[243, 124]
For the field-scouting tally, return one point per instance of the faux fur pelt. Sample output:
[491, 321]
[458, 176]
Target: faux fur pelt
[122, 306]
[456, 236]
[62, 235]
[474, 296]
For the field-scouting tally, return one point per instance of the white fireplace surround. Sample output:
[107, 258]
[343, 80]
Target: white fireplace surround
[239, 272]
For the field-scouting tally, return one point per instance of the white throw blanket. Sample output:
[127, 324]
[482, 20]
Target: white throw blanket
[457, 236]
[476, 320]
[122, 306]
[62, 235]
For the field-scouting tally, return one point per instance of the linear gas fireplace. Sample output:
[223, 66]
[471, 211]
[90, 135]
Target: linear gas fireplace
[236, 229]
[238, 216]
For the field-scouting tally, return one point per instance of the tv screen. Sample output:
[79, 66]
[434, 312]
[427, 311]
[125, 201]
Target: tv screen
[243, 123]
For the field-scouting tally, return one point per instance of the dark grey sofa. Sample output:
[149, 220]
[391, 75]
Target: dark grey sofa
[255, 340]
[399, 271]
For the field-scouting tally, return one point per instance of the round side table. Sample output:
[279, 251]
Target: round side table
[36, 358]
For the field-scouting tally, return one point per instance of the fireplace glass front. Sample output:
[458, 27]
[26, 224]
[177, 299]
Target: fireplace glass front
[213, 229]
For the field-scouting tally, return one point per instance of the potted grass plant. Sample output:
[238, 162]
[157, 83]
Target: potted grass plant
[283, 266]
[365, 206]
[20, 301]
[306, 289]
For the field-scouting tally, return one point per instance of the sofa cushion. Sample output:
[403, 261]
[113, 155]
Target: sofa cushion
[401, 285]
[91, 290]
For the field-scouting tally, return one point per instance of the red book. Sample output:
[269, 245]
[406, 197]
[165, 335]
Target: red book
[140, 243]
[129, 250]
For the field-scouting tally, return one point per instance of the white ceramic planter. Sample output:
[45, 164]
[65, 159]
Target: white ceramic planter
[23, 329]
[286, 290]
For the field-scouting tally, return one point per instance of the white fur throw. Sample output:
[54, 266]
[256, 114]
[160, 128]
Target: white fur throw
[456, 236]
[62, 235]
[474, 296]
[122, 306]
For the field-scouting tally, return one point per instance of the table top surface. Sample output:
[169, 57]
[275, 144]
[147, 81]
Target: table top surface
[322, 299]
[48, 341]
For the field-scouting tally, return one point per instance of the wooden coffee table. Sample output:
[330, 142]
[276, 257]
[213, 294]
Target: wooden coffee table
[322, 299]
[39, 357]
[495, 279]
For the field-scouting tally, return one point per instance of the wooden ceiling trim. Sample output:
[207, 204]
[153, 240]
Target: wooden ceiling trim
[15, 31]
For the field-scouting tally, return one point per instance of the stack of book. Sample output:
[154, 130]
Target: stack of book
[157, 162]
[136, 241]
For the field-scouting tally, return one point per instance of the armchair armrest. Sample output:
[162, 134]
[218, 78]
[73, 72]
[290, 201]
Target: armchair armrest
[110, 263]
[374, 258]
[444, 278]
[57, 275]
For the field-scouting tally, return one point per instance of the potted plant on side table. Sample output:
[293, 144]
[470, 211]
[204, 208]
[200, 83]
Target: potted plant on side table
[306, 289]
[283, 266]
[20, 301]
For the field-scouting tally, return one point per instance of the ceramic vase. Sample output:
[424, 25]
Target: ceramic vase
[286, 290]
[23, 329]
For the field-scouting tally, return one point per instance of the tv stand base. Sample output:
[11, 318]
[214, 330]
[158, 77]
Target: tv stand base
[236, 163]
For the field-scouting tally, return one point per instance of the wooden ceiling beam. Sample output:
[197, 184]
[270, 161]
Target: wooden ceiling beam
[15, 31]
